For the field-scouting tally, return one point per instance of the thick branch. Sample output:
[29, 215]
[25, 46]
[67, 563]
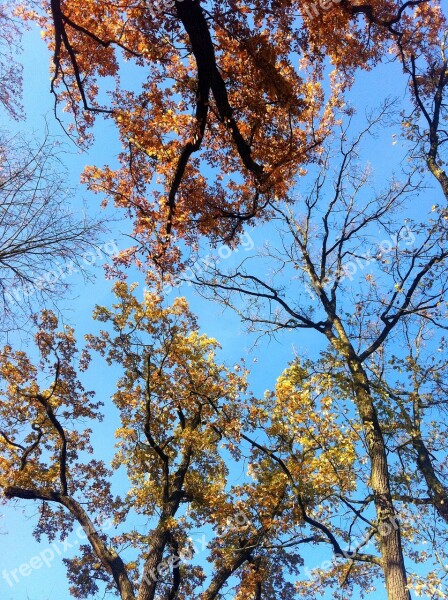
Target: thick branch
[108, 557]
[209, 79]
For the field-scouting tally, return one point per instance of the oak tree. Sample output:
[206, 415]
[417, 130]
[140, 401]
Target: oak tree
[181, 415]
[227, 101]
[230, 105]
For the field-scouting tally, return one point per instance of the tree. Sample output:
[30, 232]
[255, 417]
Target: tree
[185, 419]
[10, 69]
[267, 110]
[41, 240]
[256, 76]
[175, 403]
[326, 246]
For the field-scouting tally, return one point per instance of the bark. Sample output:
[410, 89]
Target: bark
[437, 491]
[154, 566]
[439, 174]
[434, 141]
[195, 24]
[389, 537]
[108, 557]
[222, 575]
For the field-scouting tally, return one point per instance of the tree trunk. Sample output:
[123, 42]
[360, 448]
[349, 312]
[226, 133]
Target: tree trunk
[437, 491]
[154, 566]
[389, 537]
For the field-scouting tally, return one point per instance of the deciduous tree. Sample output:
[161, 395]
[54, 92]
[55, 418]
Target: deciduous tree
[177, 406]
[359, 295]
[41, 239]
[257, 77]
[267, 83]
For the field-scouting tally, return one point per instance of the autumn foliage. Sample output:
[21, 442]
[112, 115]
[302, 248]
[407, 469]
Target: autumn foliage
[219, 106]
[233, 114]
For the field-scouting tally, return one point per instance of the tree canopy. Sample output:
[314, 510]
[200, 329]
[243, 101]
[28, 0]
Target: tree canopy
[232, 115]
[245, 91]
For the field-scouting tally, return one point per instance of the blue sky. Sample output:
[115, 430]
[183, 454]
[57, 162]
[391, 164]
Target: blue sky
[17, 546]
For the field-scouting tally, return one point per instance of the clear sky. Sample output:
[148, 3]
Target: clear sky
[17, 545]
